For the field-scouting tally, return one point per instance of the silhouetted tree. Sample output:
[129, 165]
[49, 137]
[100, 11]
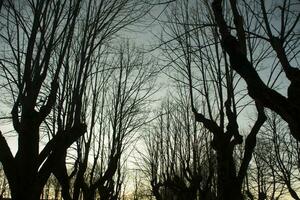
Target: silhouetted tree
[118, 108]
[118, 88]
[262, 181]
[37, 38]
[49, 53]
[277, 157]
[179, 161]
[193, 48]
[281, 36]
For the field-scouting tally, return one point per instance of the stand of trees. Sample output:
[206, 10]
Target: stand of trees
[79, 95]
[202, 51]
[50, 50]
[202, 66]
[180, 162]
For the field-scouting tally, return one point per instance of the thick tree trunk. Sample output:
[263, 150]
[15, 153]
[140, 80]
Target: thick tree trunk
[227, 185]
[32, 169]
[26, 185]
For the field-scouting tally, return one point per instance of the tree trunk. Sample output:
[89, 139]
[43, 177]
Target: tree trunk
[227, 185]
[33, 192]
[26, 185]
[90, 194]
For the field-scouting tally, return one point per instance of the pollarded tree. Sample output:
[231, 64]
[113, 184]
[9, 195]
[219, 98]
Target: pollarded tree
[49, 47]
[121, 112]
[99, 24]
[191, 44]
[277, 24]
[115, 101]
[36, 37]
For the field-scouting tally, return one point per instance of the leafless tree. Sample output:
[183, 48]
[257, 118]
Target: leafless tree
[179, 161]
[191, 44]
[114, 107]
[279, 156]
[283, 38]
[49, 50]
[36, 37]
[141, 188]
[262, 182]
